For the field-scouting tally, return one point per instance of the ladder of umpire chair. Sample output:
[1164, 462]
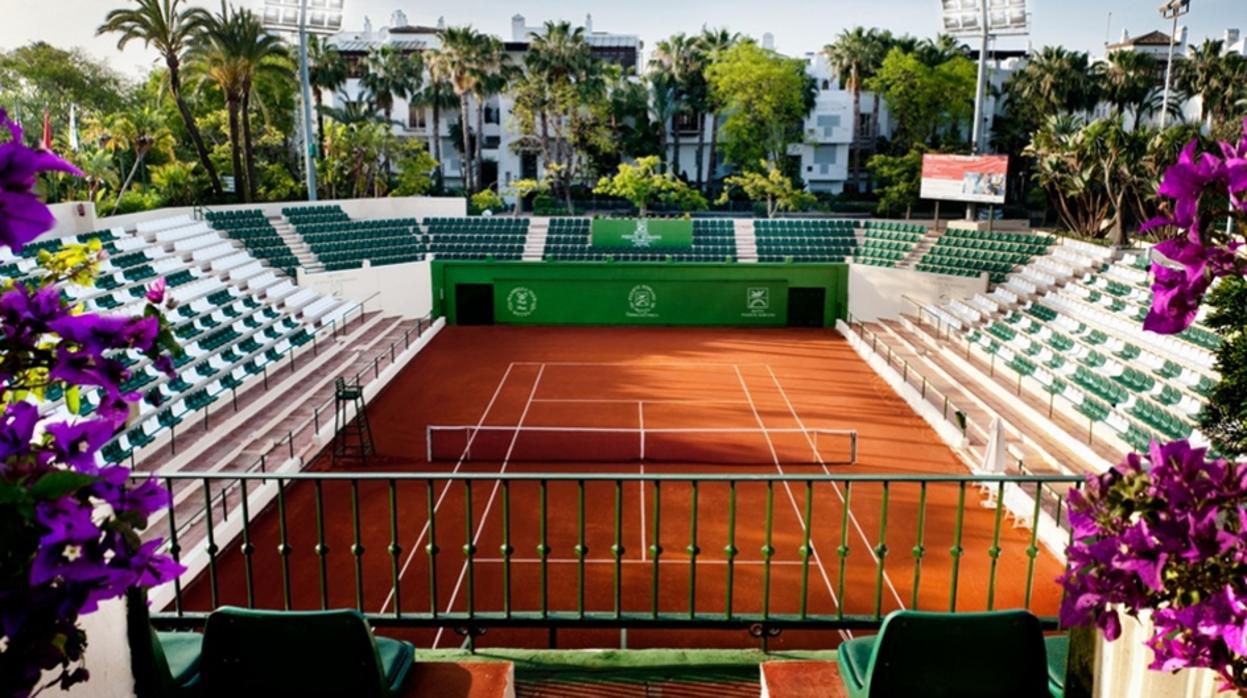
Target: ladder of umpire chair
[352, 437]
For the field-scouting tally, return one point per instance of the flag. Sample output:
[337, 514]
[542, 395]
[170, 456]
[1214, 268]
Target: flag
[47, 131]
[73, 127]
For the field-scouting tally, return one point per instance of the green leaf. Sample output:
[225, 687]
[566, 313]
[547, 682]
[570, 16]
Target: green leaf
[73, 399]
[59, 483]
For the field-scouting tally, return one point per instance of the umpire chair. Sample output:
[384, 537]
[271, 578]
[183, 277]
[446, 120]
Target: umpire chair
[352, 436]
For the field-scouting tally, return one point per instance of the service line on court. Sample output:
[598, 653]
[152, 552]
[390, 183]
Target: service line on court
[818, 456]
[788, 488]
[446, 488]
[493, 494]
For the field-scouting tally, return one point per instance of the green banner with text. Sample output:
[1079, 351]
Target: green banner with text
[642, 233]
[640, 302]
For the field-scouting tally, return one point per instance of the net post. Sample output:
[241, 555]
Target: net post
[428, 443]
[853, 447]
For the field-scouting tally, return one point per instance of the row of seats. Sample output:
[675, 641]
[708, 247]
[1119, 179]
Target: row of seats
[972, 252]
[257, 234]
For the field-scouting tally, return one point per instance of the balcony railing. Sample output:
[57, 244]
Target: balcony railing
[467, 551]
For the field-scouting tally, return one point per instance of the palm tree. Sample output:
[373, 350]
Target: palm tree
[326, 70]
[1216, 76]
[170, 28]
[675, 58]
[849, 57]
[438, 96]
[1127, 78]
[141, 131]
[1056, 81]
[714, 43]
[494, 71]
[97, 171]
[461, 54]
[390, 74]
[234, 52]
[560, 74]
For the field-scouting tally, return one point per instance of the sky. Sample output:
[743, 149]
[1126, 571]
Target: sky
[799, 26]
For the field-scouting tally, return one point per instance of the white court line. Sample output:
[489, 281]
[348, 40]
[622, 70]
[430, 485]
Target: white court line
[629, 401]
[424, 531]
[631, 561]
[791, 498]
[856, 524]
[636, 364]
[493, 493]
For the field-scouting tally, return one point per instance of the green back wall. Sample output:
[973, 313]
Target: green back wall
[554, 293]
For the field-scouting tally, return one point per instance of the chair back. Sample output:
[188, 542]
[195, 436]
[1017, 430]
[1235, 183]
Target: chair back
[961, 655]
[290, 653]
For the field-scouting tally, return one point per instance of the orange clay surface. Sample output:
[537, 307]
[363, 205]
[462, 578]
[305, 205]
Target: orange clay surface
[669, 378]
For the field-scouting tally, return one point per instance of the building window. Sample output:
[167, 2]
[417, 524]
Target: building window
[417, 118]
[355, 67]
[492, 115]
[825, 157]
[828, 123]
[687, 123]
[492, 142]
[865, 126]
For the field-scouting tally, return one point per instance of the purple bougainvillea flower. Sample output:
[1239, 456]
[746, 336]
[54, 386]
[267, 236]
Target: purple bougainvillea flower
[1185, 181]
[1177, 293]
[22, 215]
[75, 444]
[17, 428]
[164, 364]
[156, 292]
[98, 333]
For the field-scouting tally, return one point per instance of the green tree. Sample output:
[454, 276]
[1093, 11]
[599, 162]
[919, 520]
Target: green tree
[925, 101]
[438, 96]
[765, 99]
[390, 74]
[415, 170]
[1127, 78]
[643, 185]
[1224, 417]
[234, 51]
[714, 44]
[142, 131]
[171, 28]
[461, 55]
[176, 183]
[856, 56]
[771, 186]
[676, 59]
[521, 189]
[1216, 76]
[900, 179]
[326, 70]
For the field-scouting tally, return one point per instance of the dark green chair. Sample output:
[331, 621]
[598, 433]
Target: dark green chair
[955, 655]
[1058, 656]
[164, 664]
[300, 653]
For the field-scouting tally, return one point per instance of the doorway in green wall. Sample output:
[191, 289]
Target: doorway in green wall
[805, 306]
[474, 304]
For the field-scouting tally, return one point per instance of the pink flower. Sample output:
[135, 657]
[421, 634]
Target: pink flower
[156, 292]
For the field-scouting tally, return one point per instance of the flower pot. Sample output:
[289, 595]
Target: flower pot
[1121, 667]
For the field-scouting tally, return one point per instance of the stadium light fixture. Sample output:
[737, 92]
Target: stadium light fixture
[1173, 9]
[984, 19]
[302, 17]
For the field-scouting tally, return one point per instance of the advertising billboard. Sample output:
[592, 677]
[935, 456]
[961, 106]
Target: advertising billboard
[973, 178]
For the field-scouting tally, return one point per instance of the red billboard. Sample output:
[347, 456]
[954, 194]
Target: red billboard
[974, 178]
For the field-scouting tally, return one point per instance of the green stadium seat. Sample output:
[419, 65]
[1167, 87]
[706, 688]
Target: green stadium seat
[304, 653]
[968, 655]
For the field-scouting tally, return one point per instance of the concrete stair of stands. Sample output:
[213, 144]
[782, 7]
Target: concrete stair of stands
[746, 240]
[924, 245]
[973, 369]
[292, 412]
[1039, 452]
[535, 243]
[307, 258]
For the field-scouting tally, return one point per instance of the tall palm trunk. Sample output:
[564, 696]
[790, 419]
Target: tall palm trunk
[248, 155]
[675, 143]
[480, 136]
[436, 145]
[320, 125]
[467, 145]
[713, 165]
[231, 105]
[188, 119]
[140, 153]
[701, 148]
[874, 123]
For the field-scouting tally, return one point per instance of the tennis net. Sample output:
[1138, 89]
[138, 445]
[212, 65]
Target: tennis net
[532, 444]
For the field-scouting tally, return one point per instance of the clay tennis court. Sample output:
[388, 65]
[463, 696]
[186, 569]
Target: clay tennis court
[571, 400]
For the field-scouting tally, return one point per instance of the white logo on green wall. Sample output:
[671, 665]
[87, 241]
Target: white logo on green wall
[521, 301]
[642, 301]
[641, 237]
[758, 298]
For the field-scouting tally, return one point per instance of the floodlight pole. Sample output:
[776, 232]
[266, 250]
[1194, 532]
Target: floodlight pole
[980, 94]
[1171, 10]
[309, 140]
